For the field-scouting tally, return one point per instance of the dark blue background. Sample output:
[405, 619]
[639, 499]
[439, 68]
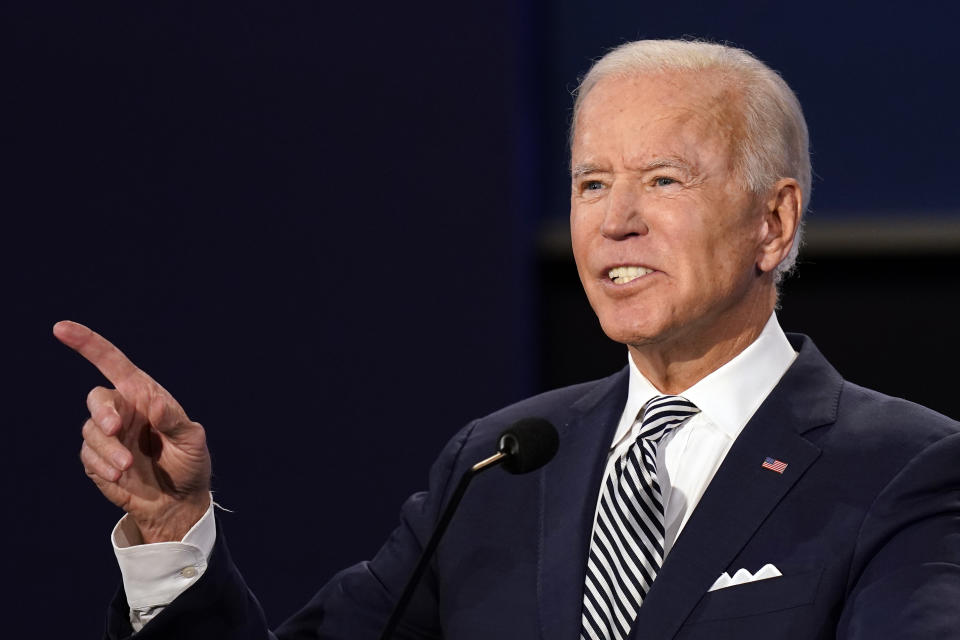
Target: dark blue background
[316, 226]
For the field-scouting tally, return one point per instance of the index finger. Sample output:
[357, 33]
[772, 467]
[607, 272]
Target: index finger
[99, 351]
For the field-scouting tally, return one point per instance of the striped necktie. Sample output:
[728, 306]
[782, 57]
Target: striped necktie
[626, 551]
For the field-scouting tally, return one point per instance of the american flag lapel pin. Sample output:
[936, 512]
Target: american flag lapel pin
[774, 465]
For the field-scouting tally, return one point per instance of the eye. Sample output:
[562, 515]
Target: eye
[663, 181]
[592, 185]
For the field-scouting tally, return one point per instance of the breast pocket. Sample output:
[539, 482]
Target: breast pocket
[754, 598]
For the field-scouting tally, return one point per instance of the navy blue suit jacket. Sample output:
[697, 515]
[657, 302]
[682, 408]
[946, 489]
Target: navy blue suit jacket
[864, 525]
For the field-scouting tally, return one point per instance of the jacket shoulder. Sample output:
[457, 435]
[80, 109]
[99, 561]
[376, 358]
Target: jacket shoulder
[879, 435]
[557, 405]
[897, 418]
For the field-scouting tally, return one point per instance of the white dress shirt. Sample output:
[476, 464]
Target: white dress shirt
[688, 457]
[154, 574]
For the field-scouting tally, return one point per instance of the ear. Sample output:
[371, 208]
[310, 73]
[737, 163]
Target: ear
[781, 219]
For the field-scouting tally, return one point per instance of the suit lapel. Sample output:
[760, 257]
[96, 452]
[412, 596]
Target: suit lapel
[569, 487]
[742, 493]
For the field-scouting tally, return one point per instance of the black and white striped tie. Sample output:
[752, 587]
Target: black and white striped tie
[626, 551]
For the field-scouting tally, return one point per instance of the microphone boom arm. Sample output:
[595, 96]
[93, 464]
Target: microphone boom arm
[525, 446]
[434, 541]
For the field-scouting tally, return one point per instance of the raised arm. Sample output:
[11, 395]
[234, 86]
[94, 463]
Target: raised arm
[139, 447]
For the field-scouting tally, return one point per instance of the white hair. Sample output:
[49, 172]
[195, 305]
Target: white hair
[775, 142]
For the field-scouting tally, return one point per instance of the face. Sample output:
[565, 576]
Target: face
[665, 236]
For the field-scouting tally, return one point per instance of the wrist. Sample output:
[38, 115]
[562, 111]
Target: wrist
[173, 523]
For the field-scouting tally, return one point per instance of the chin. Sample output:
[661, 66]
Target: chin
[635, 320]
[632, 335]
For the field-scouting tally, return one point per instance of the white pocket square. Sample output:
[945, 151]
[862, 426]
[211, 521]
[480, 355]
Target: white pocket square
[742, 576]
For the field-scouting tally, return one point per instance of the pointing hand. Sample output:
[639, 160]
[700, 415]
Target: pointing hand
[139, 447]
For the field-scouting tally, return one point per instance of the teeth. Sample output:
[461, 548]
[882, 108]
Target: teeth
[623, 275]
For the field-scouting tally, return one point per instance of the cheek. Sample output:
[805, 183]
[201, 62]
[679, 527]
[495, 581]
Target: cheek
[710, 264]
[579, 251]
[727, 240]
[730, 267]
[581, 260]
[584, 230]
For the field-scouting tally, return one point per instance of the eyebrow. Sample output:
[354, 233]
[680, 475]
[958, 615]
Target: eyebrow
[672, 162]
[580, 170]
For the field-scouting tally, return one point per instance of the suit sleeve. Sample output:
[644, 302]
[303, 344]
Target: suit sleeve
[906, 568]
[354, 605]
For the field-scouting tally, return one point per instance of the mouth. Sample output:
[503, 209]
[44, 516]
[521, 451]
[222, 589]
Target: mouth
[623, 275]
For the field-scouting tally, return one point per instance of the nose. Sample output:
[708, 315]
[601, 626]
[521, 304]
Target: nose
[623, 216]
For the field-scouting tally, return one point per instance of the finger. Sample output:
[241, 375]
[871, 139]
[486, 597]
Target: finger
[167, 416]
[97, 350]
[104, 406]
[94, 465]
[108, 448]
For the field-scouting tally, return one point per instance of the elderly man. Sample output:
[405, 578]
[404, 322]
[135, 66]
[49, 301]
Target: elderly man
[728, 483]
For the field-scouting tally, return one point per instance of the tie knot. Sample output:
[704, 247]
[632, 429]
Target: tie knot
[663, 413]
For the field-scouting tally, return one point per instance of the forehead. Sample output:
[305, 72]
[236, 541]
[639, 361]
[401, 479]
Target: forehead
[636, 117]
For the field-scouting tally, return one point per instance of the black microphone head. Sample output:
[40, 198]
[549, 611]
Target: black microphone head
[530, 443]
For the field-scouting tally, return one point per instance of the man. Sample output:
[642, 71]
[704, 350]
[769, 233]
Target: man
[726, 484]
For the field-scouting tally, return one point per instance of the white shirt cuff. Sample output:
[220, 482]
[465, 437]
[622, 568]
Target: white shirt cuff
[155, 574]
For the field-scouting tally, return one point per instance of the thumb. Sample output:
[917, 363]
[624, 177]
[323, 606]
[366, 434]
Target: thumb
[168, 417]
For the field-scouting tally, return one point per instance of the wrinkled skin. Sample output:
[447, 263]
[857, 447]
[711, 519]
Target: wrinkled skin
[139, 447]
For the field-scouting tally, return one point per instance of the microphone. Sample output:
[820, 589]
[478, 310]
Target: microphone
[528, 444]
[524, 446]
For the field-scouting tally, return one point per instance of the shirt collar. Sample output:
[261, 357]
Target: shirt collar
[730, 395]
